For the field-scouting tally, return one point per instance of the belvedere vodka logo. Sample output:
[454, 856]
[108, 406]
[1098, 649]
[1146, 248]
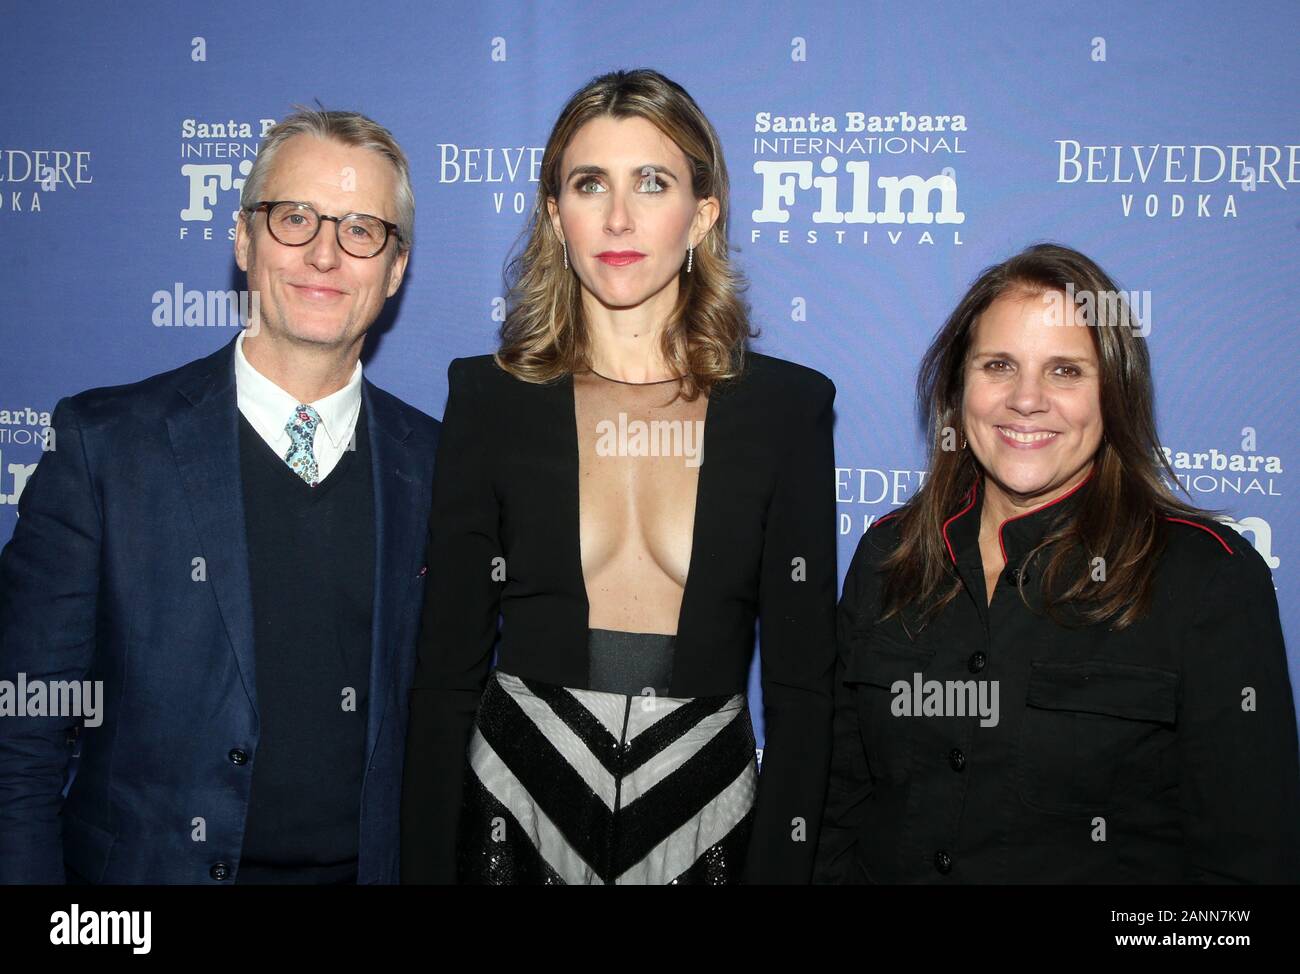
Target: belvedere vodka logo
[502, 179]
[858, 180]
[1179, 181]
[506, 173]
[216, 158]
[880, 490]
[31, 179]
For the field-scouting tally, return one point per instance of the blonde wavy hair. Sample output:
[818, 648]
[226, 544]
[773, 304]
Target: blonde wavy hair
[544, 336]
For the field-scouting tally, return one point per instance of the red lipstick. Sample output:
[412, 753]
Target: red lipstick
[620, 258]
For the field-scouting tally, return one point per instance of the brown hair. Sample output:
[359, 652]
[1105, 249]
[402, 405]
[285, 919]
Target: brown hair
[1123, 503]
[544, 336]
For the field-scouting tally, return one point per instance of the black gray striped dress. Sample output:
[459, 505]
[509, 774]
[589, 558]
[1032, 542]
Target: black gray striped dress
[607, 786]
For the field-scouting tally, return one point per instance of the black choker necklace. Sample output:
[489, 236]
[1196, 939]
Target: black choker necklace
[626, 383]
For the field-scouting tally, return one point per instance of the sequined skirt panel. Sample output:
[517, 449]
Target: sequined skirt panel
[576, 786]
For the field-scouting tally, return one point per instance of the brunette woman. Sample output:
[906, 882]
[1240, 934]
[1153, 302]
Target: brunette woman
[1051, 669]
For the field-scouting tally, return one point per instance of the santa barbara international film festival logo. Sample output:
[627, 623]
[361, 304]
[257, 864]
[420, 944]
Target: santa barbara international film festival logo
[31, 178]
[1232, 476]
[25, 436]
[855, 179]
[216, 157]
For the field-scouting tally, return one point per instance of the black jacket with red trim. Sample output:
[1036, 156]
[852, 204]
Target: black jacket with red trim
[1165, 752]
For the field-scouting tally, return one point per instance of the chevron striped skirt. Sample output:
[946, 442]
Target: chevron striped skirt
[572, 786]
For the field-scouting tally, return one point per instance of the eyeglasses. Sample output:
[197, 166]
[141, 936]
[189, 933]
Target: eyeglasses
[295, 224]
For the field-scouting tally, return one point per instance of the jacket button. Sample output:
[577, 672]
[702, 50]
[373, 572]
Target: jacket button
[219, 871]
[956, 759]
[976, 662]
[423, 569]
[238, 756]
[943, 862]
[1013, 576]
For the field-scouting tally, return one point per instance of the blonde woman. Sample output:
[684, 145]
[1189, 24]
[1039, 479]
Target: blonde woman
[629, 489]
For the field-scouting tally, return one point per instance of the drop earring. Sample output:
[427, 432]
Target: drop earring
[565, 245]
[690, 257]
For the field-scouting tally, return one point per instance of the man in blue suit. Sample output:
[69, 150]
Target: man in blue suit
[231, 555]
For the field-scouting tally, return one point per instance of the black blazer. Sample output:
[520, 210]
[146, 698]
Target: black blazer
[1164, 752]
[507, 487]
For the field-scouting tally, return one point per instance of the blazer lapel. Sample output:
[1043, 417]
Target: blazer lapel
[400, 512]
[204, 431]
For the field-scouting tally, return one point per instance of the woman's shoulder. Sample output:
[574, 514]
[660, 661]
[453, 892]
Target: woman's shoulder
[1202, 536]
[785, 377]
[863, 580]
[782, 399]
[473, 367]
[482, 373]
[881, 538]
[1205, 549]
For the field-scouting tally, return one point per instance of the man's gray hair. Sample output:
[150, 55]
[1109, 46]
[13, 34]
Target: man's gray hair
[348, 128]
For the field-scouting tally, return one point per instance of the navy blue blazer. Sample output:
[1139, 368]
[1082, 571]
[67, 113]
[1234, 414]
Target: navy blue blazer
[101, 581]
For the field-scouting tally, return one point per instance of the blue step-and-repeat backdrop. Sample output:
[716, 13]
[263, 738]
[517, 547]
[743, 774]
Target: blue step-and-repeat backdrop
[1161, 139]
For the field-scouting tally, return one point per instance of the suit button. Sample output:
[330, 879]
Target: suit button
[219, 871]
[943, 862]
[976, 662]
[956, 759]
[423, 570]
[238, 756]
[1013, 576]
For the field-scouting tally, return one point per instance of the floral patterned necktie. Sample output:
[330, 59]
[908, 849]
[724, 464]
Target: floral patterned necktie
[302, 431]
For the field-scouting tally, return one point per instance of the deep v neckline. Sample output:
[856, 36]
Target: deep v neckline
[575, 477]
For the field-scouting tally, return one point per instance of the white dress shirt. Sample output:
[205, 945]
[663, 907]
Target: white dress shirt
[268, 408]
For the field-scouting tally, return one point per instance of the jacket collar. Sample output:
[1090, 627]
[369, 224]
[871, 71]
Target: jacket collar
[210, 382]
[1017, 535]
[269, 408]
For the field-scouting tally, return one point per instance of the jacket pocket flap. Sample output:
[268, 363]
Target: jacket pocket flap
[882, 661]
[1104, 687]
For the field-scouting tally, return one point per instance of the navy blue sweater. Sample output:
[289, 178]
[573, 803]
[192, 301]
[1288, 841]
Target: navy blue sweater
[311, 566]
